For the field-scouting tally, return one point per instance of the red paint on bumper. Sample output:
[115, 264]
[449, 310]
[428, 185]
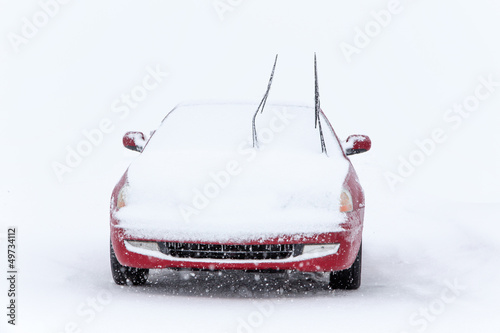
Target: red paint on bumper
[349, 240]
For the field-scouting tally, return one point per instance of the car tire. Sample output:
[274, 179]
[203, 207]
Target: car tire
[137, 276]
[348, 279]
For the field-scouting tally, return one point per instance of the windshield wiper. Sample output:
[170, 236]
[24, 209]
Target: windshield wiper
[262, 105]
[317, 108]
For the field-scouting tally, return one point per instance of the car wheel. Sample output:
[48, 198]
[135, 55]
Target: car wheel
[350, 278]
[121, 274]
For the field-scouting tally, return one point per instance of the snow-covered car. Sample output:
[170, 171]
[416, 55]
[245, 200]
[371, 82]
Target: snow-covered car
[240, 187]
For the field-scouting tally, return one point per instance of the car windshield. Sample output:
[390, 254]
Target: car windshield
[226, 128]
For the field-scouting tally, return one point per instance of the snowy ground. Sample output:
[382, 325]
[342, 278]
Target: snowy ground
[431, 242]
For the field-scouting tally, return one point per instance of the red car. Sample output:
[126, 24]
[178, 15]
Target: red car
[240, 187]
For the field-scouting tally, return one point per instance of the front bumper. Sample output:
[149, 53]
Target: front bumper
[341, 251]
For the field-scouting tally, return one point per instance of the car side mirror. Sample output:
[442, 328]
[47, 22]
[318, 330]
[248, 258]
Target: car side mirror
[356, 144]
[134, 141]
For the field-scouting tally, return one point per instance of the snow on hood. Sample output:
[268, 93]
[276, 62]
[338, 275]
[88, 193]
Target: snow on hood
[199, 178]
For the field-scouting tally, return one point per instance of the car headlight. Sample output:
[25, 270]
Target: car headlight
[346, 201]
[122, 196]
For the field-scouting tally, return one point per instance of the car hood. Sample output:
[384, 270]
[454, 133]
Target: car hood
[223, 195]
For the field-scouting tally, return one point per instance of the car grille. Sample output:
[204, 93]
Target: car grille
[235, 252]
